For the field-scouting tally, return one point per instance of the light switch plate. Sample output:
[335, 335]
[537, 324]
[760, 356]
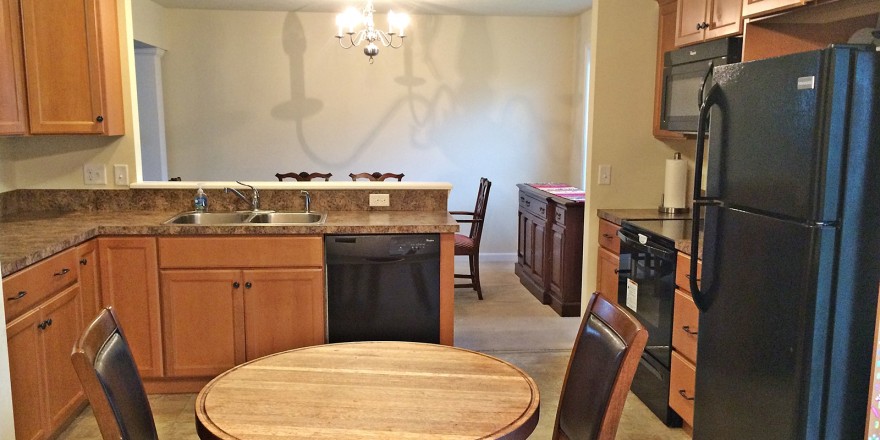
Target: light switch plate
[604, 175]
[94, 174]
[120, 174]
[379, 200]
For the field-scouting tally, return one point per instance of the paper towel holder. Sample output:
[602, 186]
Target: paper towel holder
[668, 210]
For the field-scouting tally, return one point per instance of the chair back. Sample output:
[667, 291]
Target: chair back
[303, 176]
[603, 362]
[377, 176]
[110, 379]
[480, 211]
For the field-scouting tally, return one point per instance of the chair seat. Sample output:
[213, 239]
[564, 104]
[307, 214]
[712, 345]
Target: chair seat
[463, 245]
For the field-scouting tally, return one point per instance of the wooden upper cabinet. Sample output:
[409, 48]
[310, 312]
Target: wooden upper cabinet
[72, 65]
[700, 20]
[754, 8]
[13, 102]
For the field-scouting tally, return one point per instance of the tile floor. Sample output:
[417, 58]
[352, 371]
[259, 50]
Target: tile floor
[510, 324]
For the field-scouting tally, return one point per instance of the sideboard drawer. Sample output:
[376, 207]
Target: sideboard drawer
[533, 205]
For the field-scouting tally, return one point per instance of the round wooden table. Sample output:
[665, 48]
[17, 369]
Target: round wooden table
[399, 390]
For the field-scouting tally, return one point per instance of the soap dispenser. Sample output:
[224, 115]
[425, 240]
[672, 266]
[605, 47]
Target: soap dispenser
[201, 200]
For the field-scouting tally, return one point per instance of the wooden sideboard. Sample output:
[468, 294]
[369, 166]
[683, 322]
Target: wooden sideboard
[550, 248]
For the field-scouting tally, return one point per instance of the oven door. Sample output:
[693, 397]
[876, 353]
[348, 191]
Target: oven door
[647, 288]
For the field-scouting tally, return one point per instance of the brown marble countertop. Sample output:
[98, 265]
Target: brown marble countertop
[28, 238]
[617, 216]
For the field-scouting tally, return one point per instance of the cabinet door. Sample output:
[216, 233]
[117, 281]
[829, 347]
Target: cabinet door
[557, 259]
[201, 316]
[665, 42]
[63, 66]
[754, 8]
[533, 247]
[13, 108]
[89, 278]
[26, 370]
[725, 18]
[130, 283]
[64, 324]
[607, 280]
[283, 309]
[689, 24]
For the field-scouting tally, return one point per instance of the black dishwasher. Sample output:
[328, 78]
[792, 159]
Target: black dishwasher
[383, 287]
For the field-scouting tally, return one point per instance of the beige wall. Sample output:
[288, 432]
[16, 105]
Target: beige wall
[149, 23]
[621, 111]
[579, 144]
[466, 97]
[56, 161]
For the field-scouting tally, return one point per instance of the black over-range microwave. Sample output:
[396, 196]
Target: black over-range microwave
[687, 76]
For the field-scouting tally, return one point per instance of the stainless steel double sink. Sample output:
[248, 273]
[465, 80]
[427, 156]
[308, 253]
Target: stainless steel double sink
[241, 218]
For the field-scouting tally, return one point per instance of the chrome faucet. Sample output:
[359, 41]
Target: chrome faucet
[255, 199]
[308, 200]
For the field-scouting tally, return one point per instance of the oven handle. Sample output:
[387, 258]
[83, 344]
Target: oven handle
[651, 250]
[700, 299]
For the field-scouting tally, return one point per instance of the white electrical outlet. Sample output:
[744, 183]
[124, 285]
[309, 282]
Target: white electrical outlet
[94, 174]
[379, 200]
[604, 174]
[120, 174]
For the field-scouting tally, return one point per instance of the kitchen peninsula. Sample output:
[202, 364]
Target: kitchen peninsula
[67, 252]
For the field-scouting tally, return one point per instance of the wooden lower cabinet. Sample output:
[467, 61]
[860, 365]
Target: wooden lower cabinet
[606, 275]
[199, 310]
[681, 387]
[283, 309]
[216, 319]
[89, 278]
[130, 283]
[46, 392]
[530, 266]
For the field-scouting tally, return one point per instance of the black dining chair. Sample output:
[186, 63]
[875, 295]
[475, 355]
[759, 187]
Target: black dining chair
[603, 361]
[110, 379]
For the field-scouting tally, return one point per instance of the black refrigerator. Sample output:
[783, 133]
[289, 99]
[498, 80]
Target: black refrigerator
[791, 246]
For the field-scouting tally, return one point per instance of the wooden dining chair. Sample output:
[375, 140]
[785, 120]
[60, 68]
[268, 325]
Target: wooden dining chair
[303, 176]
[377, 176]
[606, 352]
[110, 379]
[470, 244]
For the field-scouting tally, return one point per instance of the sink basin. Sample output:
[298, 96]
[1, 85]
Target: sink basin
[276, 218]
[246, 218]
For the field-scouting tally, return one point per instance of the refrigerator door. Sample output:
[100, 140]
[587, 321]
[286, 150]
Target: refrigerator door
[763, 339]
[770, 146]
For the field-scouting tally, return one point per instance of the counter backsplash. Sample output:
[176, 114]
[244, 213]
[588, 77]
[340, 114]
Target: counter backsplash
[70, 200]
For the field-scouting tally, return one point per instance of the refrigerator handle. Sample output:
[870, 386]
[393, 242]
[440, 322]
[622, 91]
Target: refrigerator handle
[699, 200]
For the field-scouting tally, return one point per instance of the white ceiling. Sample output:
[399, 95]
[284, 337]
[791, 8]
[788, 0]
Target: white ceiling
[422, 7]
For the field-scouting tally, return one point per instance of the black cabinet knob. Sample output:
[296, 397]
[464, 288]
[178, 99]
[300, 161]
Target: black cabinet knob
[100, 118]
[248, 285]
[236, 285]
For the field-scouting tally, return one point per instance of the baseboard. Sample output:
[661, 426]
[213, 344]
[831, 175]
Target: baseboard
[490, 258]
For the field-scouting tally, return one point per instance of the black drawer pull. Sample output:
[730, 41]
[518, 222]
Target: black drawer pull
[687, 329]
[683, 394]
[617, 271]
[83, 262]
[17, 297]
[63, 272]
[528, 203]
[607, 236]
[543, 210]
[688, 276]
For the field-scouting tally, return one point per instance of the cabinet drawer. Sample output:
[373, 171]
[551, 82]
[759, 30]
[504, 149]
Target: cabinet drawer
[533, 205]
[559, 215]
[682, 271]
[24, 289]
[608, 236]
[681, 387]
[685, 324]
[241, 252]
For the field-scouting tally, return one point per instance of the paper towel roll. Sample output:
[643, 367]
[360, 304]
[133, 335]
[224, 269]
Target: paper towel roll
[676, 184]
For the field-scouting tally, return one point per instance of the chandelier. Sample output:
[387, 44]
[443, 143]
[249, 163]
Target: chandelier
[348, 21]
